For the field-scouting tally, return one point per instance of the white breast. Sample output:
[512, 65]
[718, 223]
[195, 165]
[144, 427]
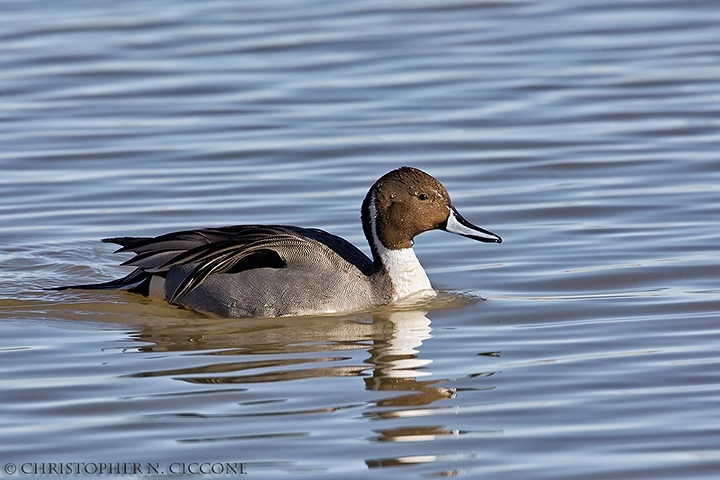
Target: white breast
[406, 274]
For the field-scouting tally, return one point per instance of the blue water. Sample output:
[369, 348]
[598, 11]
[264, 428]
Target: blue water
[585, 133]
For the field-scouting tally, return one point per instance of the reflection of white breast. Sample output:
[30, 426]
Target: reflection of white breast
[412, 329]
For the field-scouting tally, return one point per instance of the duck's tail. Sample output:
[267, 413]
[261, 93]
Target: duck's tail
[138, 281]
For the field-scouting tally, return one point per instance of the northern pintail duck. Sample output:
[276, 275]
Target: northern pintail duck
[276, 270]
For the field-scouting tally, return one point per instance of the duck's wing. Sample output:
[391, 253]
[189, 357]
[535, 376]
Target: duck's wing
[152, 252]
[224, 250]
[245, 250]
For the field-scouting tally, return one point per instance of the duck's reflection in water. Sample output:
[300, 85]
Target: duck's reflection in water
[384, 349]
[295, 348]
[283, 349]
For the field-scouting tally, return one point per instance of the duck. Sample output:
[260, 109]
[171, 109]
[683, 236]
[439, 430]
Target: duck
[262, 271]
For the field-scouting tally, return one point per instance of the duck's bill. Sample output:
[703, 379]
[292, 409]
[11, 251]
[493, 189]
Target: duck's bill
[458, 225]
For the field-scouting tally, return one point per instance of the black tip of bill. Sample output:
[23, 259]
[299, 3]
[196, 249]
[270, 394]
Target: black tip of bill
[458, 225]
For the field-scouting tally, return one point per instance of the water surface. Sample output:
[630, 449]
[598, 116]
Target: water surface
[585, 133]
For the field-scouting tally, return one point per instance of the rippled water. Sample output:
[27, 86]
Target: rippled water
[585, 133]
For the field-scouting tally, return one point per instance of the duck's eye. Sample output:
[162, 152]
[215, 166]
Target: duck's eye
[423, 196]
